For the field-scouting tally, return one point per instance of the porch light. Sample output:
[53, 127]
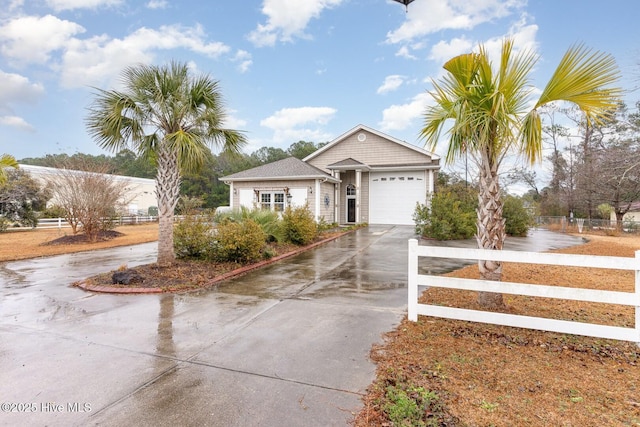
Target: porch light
[289, 198]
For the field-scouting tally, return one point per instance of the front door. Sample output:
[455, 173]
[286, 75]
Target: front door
[351, 210]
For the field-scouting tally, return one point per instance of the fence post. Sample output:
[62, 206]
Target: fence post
[59, 223]
[412, 281]
[637, 298]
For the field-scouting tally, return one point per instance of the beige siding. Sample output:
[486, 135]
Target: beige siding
[327, 212]
[274, 186]
[364, 198]
[373, 151]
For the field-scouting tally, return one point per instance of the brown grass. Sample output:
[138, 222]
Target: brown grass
[499, 376]
[16, 245]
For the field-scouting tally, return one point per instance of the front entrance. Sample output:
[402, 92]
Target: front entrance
[351, 210]
[351, 204]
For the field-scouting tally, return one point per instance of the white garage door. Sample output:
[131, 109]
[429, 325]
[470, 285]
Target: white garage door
[393, 196]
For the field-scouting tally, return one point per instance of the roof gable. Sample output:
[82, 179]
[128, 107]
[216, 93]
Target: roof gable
[373, 149]
[360, 128]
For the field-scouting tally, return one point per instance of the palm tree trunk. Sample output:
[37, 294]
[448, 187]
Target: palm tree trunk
[168, 192]
[490, 229]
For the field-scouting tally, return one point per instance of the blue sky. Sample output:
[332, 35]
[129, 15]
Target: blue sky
[290, 70]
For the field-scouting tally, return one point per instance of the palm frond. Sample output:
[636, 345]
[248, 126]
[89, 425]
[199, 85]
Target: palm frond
[586, 78]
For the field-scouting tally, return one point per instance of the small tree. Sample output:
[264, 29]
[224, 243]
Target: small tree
[446, 218]
[517, 217]
[21, 197]
[88, 198]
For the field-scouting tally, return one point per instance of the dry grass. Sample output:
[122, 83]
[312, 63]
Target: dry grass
[499, 376]
[16, 245]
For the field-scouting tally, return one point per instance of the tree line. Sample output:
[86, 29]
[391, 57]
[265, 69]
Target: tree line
[204, 185]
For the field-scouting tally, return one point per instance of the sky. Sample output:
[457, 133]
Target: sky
[289, 70]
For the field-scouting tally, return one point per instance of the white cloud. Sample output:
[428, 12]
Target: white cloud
[231, 121]
[16, 122]
[244, 60]
[99, 59]
[400, 117]
[430, 16]
[16, 88]
[287, 19]
[157, 4]
[293, 124]
[391, 83]
[59, 5]
[404, 52]
[523, 35]
[442, 51]
[31, 39]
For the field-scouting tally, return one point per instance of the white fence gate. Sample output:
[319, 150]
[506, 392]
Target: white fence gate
[577, 294]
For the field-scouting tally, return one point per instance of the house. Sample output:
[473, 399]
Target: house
[632, 215]
[139, 192]
[363, 176]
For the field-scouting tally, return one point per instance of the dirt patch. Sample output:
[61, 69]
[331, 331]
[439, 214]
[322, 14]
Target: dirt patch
[486, 375]
[76, 239]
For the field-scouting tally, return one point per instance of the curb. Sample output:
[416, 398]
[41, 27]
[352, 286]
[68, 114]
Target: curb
[237, 272]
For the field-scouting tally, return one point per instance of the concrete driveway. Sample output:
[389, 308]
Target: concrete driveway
[284, 345]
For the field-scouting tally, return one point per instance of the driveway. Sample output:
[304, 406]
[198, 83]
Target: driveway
[285, 345]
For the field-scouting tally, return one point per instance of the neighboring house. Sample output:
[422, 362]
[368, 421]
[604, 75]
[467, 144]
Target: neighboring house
[140, 192]
[632, 215]
[363, 176]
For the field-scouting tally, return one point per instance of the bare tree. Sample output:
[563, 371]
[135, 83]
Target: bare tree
[88, 197]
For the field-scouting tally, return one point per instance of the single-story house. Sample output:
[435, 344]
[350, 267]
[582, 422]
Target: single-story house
[139, 194]
[363, 176]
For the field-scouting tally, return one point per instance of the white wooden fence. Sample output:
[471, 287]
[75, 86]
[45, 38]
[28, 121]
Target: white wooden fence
[578, 294]
[48, 223]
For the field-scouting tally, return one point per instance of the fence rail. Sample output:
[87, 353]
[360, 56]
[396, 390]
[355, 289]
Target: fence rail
[51, 223]
[417, 280]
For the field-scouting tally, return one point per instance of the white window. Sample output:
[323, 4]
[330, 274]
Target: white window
[272, 201]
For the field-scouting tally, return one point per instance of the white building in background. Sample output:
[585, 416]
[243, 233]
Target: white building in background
[140, 192]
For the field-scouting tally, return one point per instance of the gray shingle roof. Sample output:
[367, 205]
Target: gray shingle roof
[345, 163]
[289, 168]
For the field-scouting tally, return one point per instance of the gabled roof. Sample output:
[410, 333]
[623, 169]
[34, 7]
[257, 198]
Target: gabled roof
[289, 168]
[348, 164]
[359, 128]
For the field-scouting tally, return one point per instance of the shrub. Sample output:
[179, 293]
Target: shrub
[192, 237]
[298, 225]
[447, 218]
[268, 220]
[238, 241]
[517, 217]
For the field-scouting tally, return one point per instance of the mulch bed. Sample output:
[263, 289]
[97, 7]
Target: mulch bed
[188, 275]
[75, 239]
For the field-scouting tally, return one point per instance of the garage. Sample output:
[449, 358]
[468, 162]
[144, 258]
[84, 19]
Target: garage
[393, 196]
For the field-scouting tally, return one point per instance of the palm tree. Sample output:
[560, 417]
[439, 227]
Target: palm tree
[6, 161]
[170, 117]
[491, 114]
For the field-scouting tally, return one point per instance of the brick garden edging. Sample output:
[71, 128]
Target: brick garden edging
[218, 279]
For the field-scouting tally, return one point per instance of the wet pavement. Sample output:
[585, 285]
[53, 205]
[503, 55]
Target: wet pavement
[284, 345]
